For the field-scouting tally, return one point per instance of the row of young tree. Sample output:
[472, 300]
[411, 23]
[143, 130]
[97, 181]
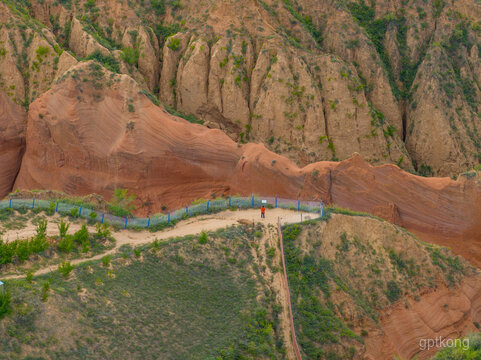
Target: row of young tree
[21, 250]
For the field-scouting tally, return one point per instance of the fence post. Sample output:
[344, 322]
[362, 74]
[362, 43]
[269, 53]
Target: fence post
[322, 207]
[207, 205]
[10, 203]
[187, 210]
[80, 212]
[56, 207]
[102, 218]
[33, 202]
[168, 217]
[229, 202]
[276, 200]
[301, 218]
[298, 204]
[148, 222]
[125, 227]
[252, 200]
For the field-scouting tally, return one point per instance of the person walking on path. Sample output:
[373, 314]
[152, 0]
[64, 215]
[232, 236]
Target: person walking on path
[263, 212]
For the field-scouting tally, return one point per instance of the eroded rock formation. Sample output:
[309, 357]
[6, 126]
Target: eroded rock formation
[313, 80]
[92, 135]
[12, 142]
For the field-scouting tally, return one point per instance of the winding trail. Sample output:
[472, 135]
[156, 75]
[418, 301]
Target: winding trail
[190, 226]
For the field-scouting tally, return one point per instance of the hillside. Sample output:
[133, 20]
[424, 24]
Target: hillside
[220, 293]
[365, 289]
[394, 81]
[368, 110]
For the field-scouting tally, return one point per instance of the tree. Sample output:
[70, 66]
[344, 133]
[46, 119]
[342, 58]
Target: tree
[122, 203]
[63, 228]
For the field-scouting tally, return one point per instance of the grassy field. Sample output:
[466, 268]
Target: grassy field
[185, 299]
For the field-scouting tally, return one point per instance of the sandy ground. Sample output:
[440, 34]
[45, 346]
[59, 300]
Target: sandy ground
[189, 226]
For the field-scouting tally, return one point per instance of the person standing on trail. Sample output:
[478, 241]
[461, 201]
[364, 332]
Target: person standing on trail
[263, 212]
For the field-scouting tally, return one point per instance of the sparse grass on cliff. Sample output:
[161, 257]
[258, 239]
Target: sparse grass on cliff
[466, 348]
[337, 276]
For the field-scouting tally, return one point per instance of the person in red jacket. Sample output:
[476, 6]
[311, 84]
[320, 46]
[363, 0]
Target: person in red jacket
[263, 212]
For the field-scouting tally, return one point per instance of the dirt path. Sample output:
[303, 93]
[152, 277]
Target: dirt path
[277, 284]
[189, 226]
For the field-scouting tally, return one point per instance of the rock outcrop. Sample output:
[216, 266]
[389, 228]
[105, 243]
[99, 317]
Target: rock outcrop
[445, 313]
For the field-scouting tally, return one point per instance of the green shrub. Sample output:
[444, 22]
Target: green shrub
[425, 170]
[65, 268]
[22, 250]
[42, 228]
[45, 290]
[103, 231]
[7, 251]
[63, 228]
[130, 55]
[164, 31]
[190, 118]
[4, 303]
[82, 235]
[203, 237]
[108, 61]
[271, 252]
[174, 43]
[158, 6]
[137, 252]
[29, 276]
[92, 216]
[74, 212]
[106, 260]
[468, 347]
[38, 244]
[393, 292]
[85, 247]
[5, 213]
[66, 244]
[42, 51]
[51, 207]
[122, 203]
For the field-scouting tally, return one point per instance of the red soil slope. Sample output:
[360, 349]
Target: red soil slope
[436, 209]
[83, 140]
[12, 142]
[446, 313]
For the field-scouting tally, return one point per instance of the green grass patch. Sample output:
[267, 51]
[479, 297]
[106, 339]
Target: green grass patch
[178, 298]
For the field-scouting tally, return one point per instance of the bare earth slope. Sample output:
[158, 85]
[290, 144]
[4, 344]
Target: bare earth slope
[12, 142]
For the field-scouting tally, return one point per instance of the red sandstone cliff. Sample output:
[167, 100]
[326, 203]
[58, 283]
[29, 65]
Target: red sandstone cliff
[12, 142]
[82, 140]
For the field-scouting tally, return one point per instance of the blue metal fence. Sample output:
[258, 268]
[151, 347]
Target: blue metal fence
[198, 208]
